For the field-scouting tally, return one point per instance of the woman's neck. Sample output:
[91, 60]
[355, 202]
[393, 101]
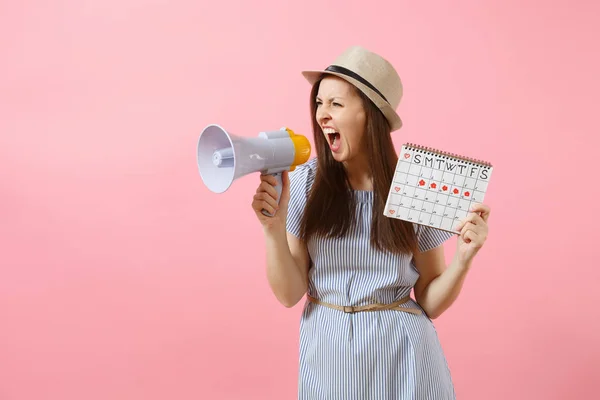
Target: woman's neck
[358, 173]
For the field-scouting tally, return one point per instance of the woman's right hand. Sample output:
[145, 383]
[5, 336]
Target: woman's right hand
[266, 198]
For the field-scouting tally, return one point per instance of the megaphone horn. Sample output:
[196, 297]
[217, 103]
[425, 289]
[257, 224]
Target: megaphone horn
[223, 157]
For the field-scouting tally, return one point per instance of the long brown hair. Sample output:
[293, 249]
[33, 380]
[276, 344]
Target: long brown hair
[330, 208]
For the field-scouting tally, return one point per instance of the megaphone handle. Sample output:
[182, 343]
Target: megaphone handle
[279, 177]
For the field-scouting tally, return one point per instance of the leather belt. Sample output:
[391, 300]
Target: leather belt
[369, 307]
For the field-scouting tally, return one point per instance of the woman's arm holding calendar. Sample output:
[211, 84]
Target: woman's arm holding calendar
[438, 286]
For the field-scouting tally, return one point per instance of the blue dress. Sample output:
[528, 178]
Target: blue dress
[380, 355]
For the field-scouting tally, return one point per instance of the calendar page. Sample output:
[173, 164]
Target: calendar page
[435, 188]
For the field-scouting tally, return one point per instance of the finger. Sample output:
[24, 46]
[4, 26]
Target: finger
[483, 210]
[470, 236]
[285, 190]
[259, 205]
[270, 179]
[266, 198]
[475, 218]
[459, 226]
[468, 226]
[265, 187]
[472, 219]
[265, 206]
[474, 234]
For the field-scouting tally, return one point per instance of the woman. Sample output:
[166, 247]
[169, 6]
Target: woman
[361, 335]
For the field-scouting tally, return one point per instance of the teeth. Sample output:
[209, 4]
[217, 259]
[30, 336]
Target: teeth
[329, 131]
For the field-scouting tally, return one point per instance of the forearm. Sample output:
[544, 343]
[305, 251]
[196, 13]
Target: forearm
[443, 290]
[287, 281]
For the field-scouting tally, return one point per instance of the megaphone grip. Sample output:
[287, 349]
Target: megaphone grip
[279, 177]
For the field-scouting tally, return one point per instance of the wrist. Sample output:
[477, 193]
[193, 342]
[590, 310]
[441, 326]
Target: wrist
[274, 231]
[462, 264]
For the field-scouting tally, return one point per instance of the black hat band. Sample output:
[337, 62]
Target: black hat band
[352, 74]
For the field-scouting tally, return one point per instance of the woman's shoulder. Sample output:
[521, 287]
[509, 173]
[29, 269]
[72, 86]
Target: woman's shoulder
[310, 165]
[304, 171]
[302, 177]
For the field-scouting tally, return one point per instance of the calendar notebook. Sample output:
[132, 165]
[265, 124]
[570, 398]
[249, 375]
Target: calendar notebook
[435, 188]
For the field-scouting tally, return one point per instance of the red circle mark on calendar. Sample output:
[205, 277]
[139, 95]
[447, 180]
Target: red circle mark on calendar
[455, 191]
[444, 188]
[433, 185]
[422, 182]
[467, 194]
[392, 211]
[406, 155]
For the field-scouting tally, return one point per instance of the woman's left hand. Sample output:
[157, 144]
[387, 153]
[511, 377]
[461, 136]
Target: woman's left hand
[473, 231]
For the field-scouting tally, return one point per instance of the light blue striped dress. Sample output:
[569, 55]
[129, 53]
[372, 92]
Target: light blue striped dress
[380, 355]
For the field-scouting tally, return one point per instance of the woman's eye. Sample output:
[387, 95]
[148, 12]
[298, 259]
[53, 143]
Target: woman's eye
[337, 104]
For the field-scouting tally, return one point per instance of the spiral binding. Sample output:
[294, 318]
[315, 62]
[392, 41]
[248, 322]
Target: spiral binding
[445, 154]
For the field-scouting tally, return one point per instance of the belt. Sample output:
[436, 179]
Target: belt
[369, 307]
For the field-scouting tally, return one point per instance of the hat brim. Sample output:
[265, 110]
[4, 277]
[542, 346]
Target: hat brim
[390, 114]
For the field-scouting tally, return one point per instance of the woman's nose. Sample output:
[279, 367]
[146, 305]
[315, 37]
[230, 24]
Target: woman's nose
[322, 115]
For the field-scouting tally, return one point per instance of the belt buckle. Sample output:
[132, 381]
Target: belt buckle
[348, 309]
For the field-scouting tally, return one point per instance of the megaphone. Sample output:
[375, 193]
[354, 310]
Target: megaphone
[223, 157]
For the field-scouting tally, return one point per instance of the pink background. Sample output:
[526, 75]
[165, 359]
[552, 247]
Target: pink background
[123, 277]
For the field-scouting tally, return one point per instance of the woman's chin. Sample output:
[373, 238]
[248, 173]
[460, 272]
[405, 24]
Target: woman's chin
[338, 156]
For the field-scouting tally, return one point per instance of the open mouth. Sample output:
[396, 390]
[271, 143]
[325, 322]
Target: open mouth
[332, 136]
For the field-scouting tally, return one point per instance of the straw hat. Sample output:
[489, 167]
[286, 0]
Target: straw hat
[371, 74]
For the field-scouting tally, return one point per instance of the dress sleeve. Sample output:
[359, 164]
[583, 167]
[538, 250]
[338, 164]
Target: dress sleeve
[300, 182]
[429, 238]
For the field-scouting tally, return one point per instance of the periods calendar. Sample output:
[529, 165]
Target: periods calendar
[435, 188]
